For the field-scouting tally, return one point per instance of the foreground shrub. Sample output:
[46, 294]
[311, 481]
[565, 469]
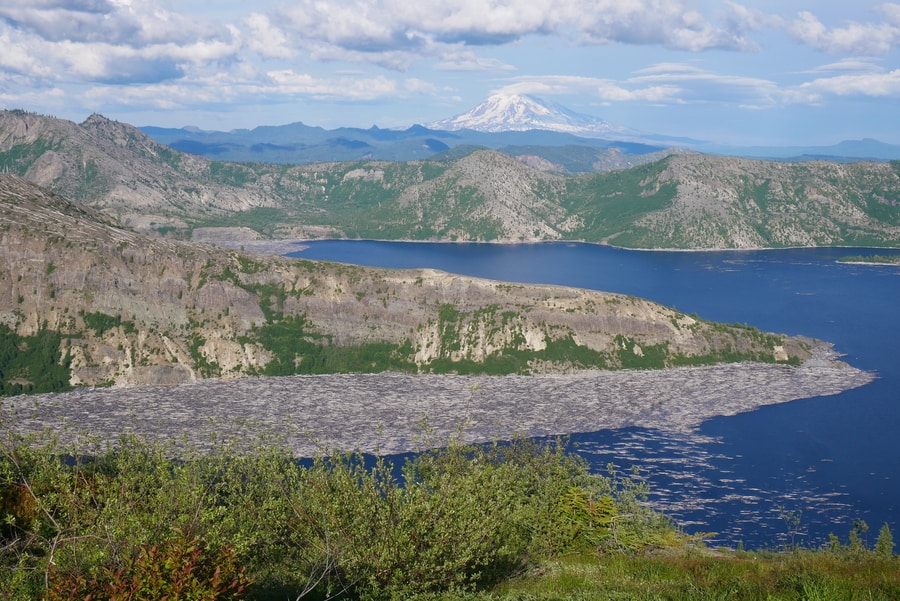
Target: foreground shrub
[179, 569]
[240, 522]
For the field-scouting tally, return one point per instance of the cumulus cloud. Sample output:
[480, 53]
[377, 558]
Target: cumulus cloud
[890, 12]
[369, 29]
[106, 21]
[741, 19]
[266, 39]
[660, 22]
[853, 38]
[108, 40]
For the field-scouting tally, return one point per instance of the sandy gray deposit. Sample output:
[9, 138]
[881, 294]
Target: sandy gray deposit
[386, 412]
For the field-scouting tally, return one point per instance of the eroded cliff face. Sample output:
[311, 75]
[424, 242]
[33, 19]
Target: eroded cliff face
[139, 310]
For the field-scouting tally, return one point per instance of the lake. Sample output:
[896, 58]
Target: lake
[782, 474]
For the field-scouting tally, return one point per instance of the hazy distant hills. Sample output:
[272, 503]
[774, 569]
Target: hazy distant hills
[679, 201]
[547, 135]
[297, 143]
[846, 151]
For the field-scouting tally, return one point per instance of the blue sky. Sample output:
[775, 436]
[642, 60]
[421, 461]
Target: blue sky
[736, 72]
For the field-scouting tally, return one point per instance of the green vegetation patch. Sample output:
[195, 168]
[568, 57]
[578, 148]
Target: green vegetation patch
[698, 574]
[880, 259]
[21, 157]
[297, 349]
[249, 521]
[101, 323]
[244, 519]
[610, 203]
[32, 364]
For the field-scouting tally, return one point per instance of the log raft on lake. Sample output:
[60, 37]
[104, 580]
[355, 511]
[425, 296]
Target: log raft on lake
[386, 413]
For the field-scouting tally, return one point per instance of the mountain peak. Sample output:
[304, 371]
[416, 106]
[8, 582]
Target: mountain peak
[520, 112]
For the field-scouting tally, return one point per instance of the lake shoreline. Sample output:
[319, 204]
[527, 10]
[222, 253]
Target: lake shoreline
[289, 246]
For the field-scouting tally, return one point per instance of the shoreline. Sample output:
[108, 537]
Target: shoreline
[275, 246]
[385, 413]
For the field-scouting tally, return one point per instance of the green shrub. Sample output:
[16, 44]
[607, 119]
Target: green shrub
[114, 522]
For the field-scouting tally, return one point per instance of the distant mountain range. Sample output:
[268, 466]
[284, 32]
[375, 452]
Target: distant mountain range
[547, 136]
[866, 149]
[297, 143]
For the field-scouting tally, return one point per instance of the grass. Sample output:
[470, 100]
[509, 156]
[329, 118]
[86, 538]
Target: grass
[692, 574]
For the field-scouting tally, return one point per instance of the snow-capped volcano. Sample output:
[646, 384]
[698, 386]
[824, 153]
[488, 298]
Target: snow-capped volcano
[517, 112]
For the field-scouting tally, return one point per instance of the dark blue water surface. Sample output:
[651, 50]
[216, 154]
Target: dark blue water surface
[793, 472]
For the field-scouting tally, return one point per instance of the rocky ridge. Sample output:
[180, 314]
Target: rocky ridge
[115, 168]
[744, 203]
[680, 201]
[134, 309]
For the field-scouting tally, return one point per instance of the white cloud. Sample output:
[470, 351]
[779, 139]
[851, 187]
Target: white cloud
[266, 39]
[378, 31]
[853, 38]
[287, 82]
[221, 90]
[873, 85]
[476, 22]
[602, 89]
[890, 12]
[112, 22]
[112, 41]
[698, 85]
[657, 22]
[462, 59]
[848, 64]
[162, 96]
[741, 18]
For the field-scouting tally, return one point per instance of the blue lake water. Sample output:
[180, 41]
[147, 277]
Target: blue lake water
[788, 473]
